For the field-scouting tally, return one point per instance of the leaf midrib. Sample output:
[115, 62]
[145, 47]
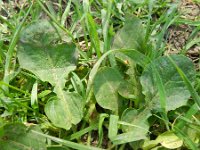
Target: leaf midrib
[60, 92]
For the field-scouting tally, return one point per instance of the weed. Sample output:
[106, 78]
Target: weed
[97, 75]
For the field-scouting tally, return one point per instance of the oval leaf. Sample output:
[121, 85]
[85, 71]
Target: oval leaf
[63, 113]
[176, 92]
[106, 84]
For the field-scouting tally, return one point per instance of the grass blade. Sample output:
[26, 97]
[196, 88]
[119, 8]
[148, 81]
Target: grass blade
[100, 127]
[67, 143]
[187, 140]
[34, 96]
[105, 15]
[14, 88]
[54, 20]
[127, 137]
[93, 34]
[192, 111]
[162, 95]
[65, 14]
[84, 131]
[12, 45]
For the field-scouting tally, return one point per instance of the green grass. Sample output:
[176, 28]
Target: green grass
[96, 75]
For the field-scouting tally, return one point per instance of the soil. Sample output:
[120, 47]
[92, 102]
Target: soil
[179, 35]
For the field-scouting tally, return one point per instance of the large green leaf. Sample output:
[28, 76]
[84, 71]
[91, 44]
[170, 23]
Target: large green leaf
[106, 84]
[51, 62]
[38, 53]
[67, 112]
[176, 92]
[19, 137]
